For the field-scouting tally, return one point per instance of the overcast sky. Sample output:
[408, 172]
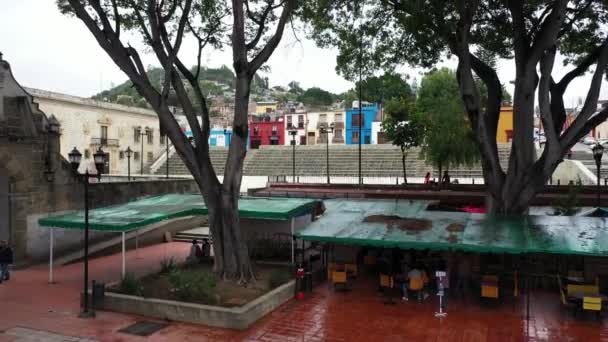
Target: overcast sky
[53, 52]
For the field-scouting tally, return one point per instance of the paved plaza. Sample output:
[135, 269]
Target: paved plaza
[33, 310]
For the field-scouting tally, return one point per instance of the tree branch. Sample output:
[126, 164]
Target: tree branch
[569, 137]
[116, 18]
[269, 48]
[548, 32]
[546, 67]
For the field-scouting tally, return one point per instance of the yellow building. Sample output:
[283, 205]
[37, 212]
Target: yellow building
[504, 133]
[265, 107]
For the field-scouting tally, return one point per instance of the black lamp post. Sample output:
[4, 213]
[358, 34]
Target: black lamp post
[598, 152]
[326, 131]
[141, 157]
[293, 133]
[129, 152]
[75, 157]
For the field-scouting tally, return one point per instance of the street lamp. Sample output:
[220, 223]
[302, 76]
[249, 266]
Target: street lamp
[598, 152]
[326, 131]
[75, 158]
[293, 133]
[129, 152]
[141, 156]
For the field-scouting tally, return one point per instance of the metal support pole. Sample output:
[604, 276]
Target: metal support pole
[293, 157]
[293, 248]
[598, 182]
[361, 119]
[86, 312]
[137, 244]
[124, 263]
[167, 153]
[327, 154]
[129, 167]
[51, 280]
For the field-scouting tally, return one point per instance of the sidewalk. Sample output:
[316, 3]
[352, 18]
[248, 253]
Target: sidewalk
[29, 305]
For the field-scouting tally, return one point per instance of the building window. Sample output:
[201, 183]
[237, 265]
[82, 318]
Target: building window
[256, 130]
[136, 156]
[355, 137]
[150, 157]
[163, 137]
[338, 133]
[136, 134]
[357, 120]
[274, 130]
[87, 154]
[338, 118]
[300, 121]
[104, 132]
[121, 155]
[289, 122]
[150, 135]
[323, 118]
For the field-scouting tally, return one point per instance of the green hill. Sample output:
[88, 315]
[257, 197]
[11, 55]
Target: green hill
[210, 79]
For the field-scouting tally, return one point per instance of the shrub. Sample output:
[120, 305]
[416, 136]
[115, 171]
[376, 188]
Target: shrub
[131, 285]
[278, 278]
[168, 265]
[193, 285]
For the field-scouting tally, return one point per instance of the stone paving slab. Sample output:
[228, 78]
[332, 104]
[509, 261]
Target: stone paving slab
[33, 335]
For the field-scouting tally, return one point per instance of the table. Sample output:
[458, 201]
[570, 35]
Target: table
[580, 295]
[575, 280]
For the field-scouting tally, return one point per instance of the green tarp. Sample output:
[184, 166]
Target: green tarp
[343, 223]
[140, 213]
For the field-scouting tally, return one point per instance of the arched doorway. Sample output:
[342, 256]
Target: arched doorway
[4, 205]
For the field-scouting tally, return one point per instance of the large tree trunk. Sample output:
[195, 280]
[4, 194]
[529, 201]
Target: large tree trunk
[231, 252]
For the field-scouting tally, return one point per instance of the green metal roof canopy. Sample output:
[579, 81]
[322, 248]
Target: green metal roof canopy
[343, 223]
[140, 213]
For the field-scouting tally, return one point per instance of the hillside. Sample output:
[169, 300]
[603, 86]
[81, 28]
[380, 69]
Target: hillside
[214, 81]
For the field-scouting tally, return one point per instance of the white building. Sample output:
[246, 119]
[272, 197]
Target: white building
[296, 120]
[88, 124]
[317, 120]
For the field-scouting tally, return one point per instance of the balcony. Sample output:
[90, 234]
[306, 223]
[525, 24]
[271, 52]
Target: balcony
[104, 142]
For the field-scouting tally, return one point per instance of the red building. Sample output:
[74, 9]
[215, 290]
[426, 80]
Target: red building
[266, 131]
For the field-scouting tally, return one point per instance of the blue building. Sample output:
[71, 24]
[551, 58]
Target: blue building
[369, 112]
[217, 137]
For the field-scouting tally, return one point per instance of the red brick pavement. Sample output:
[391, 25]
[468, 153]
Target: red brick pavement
[28, 301]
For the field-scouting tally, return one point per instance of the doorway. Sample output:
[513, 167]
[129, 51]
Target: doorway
[4, 205]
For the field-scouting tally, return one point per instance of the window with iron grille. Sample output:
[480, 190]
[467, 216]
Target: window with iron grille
[136, 134]
[136, 156]
[150, 157]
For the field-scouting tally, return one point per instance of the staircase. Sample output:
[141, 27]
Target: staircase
[198, 234]
[586, 157]
[377, 161]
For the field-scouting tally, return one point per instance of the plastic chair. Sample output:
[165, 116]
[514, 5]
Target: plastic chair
[339, 278]
[592, 304]
[489, 286]
[417, 285]
[387, 284]
[351, 269]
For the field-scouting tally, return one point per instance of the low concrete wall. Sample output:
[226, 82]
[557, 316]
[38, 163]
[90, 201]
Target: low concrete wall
[232, 318]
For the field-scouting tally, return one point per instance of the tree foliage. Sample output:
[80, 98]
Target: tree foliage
[252, 29]
[316, 97]
[379, 35]
[405, 134]
[448, 141]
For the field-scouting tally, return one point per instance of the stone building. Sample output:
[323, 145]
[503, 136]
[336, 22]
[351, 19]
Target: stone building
[88, 124]
[318, 120]
[36, 180]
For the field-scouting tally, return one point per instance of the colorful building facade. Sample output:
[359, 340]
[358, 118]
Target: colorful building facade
[504, 133]
[266, 131]
[363, 117]
[265, 107]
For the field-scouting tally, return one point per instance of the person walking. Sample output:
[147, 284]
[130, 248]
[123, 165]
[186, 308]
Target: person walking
[6, 258]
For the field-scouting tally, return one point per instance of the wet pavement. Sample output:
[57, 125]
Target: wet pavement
[28, 304]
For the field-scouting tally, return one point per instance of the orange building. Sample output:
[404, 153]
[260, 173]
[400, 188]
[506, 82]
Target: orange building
[504, 133]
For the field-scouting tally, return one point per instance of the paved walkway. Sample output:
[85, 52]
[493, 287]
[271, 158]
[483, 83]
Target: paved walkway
[30, 306]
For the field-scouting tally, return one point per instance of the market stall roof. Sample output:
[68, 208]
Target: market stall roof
[343, 223]
[136, 214]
